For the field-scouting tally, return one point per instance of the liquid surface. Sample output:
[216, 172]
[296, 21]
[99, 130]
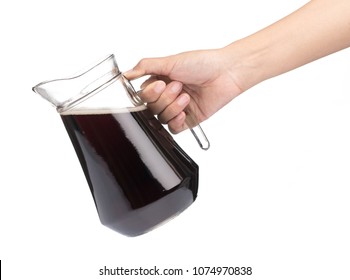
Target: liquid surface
[139, 177]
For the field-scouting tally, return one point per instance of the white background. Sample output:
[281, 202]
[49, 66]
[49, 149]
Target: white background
[274, 187]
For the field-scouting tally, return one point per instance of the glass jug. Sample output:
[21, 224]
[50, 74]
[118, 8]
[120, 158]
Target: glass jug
[138, 175]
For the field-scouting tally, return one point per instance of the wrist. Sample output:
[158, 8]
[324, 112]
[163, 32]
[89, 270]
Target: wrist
[249, 61]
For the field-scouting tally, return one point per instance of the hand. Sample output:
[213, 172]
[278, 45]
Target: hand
[197, 83]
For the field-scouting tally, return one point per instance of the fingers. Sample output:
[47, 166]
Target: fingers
[158, 97]
[174, 109]
[152, 90]
[168, 102]
[178, 123]
[164, 97]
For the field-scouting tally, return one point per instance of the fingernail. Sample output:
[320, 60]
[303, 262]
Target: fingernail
[176, 86]
[183, 100]
[128, 73]
[132, 74]
[159, 87]
[180, 117]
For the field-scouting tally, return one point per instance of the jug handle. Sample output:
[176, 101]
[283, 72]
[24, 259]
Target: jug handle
[197, 131]
[191, 122]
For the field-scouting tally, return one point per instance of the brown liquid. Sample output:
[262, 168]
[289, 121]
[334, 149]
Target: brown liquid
[138, 175]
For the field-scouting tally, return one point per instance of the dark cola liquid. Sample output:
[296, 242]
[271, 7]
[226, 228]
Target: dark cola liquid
[138, 176]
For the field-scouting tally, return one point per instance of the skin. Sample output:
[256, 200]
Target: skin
[203, 81]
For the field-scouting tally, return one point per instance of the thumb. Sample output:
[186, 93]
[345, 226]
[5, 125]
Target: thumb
[148, 66]
[133, 74]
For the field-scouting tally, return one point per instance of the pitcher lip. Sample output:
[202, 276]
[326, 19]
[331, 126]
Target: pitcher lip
[79, 74]
[63, 92]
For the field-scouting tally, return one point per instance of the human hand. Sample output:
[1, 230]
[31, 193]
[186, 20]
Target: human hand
[197, 83]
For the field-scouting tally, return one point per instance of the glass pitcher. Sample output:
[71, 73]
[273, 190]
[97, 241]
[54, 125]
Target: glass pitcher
[138, 175]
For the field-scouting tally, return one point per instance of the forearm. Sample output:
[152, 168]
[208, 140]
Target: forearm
[319, 28]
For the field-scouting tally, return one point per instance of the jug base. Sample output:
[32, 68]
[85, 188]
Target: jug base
[145, 219]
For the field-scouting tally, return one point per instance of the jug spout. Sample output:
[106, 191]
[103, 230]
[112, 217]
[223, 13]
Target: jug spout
[65, 92]
[43, 92]
[53, 91]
